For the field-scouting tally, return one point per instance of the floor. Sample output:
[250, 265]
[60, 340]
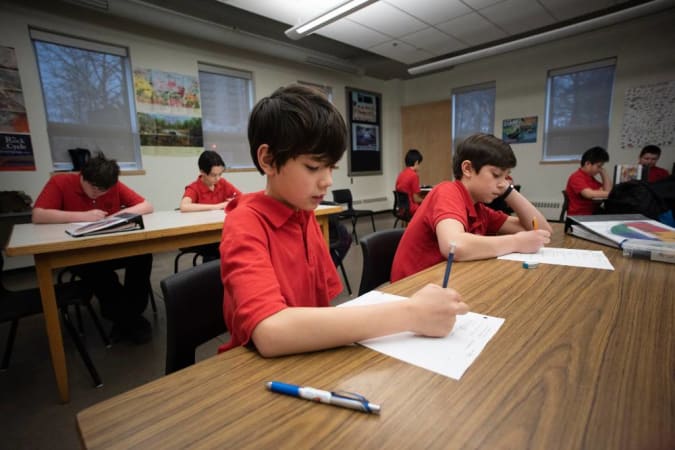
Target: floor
[33, 417]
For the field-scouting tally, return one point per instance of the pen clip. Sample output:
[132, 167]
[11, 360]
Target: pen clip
[354, 396]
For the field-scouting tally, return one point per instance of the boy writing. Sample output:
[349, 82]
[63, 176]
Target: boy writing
[89, 196]
[277, 273]
[455, 213]
[582, 186]
[408, 180]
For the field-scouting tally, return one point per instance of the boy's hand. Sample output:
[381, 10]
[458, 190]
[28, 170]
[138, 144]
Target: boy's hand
[434, 310]
[92, 215]
[531, 241]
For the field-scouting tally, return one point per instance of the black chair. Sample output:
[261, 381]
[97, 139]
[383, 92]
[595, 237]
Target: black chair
[15, 305]
[206, 252]
[194, 312]
[344, 196]
[499, 204]
[340, 242]
[401, 208]
[563, 210]
[378, 249]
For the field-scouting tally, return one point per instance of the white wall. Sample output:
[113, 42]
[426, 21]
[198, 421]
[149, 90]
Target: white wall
[645, 55]
[643, 48]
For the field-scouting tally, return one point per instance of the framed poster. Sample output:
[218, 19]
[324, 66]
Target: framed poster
[364, 121]
[520, 130]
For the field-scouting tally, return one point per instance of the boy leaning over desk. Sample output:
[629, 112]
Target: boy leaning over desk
[454, 212]
[276, 269]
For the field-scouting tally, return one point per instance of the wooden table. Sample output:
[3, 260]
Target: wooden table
[322, 212]
[585, 359]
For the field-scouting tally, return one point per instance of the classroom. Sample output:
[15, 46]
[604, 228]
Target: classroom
[164, 42]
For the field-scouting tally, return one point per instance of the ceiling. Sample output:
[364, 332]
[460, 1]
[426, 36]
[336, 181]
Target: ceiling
[387, 37]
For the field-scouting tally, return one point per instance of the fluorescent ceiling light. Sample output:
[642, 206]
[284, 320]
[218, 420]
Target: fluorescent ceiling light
[327, 17]
[559, 33]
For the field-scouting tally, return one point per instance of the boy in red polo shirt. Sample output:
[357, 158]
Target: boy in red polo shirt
[649, 156]
[408, 180]
[582, 186]
[208, 192]
[455, 212]
[277, 273]
[91, 195]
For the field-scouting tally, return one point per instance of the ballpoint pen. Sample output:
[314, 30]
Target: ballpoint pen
[344, 399]
[448, 266]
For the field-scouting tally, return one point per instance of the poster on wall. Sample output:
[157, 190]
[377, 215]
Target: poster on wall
[16, 150]
[365, 129]
[649, 116]
[169, 112]
[519, 131]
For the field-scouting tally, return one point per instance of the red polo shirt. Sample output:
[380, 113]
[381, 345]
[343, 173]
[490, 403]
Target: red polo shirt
[578, 205]
[408, 181]
[418, 248]
[655, 174]
[272, 257]
[200, 193]
[64, 192]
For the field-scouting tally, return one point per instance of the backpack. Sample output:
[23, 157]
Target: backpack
[635, 197]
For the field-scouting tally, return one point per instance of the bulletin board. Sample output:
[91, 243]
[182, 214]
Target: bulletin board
[364, 121]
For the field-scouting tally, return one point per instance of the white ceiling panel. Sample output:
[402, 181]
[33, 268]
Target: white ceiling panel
[472, 29]
[292, 12]
[387, 20]
[568, 9]
[354, 34]
[480, 4]
[517, 16]
[433, 41]
[432, 11]
[400, 51]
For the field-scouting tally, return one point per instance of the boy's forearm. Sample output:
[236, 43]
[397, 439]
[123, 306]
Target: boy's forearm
[44, 215]
[526, 212]
[141, 208]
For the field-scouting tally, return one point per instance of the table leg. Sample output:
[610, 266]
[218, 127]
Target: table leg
[323, 223]
[53, 325]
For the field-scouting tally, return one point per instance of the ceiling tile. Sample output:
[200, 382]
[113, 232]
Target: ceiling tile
[433, 41]
[353, 34]
[402, 52]
[472, 29]
[292, 13]
[569, 9]
[387, 20]
[480, 4]
[517, 16]
[432, 11]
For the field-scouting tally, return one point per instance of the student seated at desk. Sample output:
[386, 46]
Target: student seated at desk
[408, 180]
[277, 273]
[649, 156]
[455, 212]
[208, 192]
[91, 195]
[583, 189]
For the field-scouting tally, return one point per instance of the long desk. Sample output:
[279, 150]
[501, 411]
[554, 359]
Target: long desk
[52, 248]
[585, 359]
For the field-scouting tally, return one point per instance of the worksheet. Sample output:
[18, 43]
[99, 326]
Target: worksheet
[450, 356]
[593, 259]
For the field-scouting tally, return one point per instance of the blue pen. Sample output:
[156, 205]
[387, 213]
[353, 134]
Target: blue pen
[344, 399]
[448, 266]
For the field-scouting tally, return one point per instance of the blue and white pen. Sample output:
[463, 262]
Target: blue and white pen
[344, 399]
[448, 266]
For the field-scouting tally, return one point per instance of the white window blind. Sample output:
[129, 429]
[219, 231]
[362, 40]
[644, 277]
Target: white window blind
[227, 100]
[578, 103]
[88, 96]
[473, 111]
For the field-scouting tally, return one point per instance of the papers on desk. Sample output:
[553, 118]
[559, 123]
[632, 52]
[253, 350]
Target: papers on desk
[592, 259]
[450, 356]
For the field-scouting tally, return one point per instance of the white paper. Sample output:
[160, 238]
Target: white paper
[593, 259]
[450, 356]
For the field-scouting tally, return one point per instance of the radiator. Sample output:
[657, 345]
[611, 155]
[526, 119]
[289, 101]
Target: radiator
[549, 208]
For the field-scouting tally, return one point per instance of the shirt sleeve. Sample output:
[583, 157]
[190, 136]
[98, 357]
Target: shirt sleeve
[128, 197]
[191, 193]
[51, 196]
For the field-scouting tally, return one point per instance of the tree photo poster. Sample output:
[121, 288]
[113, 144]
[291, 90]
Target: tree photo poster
[364, 110]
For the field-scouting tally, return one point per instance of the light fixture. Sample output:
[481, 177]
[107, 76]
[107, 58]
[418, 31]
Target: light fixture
[327, 17]
[547, 36]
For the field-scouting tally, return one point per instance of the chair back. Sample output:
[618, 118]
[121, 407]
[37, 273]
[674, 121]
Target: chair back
[343, 196]
[401, 206]
[563, 210]
[378, 250]
[194, 312]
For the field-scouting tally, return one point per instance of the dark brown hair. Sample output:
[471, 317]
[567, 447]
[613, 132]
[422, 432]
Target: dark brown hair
[482, 150]
[101, 172]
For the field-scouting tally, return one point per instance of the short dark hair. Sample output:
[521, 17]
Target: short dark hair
[208, 159]
[297, 120]
[594, 155]
[412, 156]
[651, 149]
[482, 150]
[101, 172]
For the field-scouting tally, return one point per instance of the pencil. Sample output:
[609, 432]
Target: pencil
[534, 223]
[448, 266]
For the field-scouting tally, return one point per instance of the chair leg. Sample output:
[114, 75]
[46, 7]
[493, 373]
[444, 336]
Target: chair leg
[81, 349]
[152, 300]
[80, 324]
[372, 220]
[344, 275]
[10, 344]
[356, 237]
[99, 326]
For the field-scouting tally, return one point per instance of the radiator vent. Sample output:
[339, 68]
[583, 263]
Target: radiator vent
[370, 200]
[543, 204]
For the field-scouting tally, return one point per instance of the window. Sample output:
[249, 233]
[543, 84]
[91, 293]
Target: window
[227, 100]
[88, 96]
[473, 111]
[578, 101]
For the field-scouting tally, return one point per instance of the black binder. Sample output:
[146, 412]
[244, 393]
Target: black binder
[113, 224]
